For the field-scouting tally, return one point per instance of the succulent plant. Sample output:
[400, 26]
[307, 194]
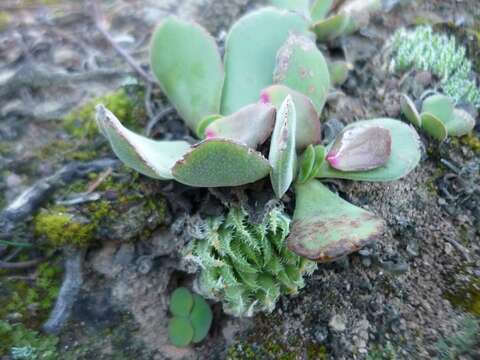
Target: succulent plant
[192, 318]
[246, 265]
[327, 25]
[424, 50]
[438, 118]
[273, 88]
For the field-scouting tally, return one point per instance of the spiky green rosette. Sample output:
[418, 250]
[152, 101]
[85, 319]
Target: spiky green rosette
[247, 265]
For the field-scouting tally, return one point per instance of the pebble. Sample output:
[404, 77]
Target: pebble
[338, 323]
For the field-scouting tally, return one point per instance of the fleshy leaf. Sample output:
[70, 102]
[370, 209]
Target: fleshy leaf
[410, 110]
[250, 53]
[251, 125]
[306, 164]
[359, 12]
[201, 318]
[331, 28]
[433, 126]
[360, 147]
[461, 124]
[220, 162]
[282, 154]
[440, 106]
[339, 71]
[302, 67]
[351, 16]
[308, 123]
[180, 331]
[187, 64]
[205, 122]
[320, 9]
[326, 227]
[404, 157]
[299, 6]
[181, 302]
[149, 157]
[311, 162]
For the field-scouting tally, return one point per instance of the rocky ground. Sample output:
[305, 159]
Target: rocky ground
[415, 294]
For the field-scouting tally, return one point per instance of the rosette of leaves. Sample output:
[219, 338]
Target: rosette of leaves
[191, 320]
[330, 19]
[439, 117]
[246, 265]
[273, 88]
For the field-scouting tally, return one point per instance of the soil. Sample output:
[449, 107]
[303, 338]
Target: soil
[407, 296]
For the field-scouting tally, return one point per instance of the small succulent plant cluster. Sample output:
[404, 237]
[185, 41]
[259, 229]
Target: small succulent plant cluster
[191, 320]
[329, 21]
[439, 118]
[425, 50]
[266, 95]
[246, 265]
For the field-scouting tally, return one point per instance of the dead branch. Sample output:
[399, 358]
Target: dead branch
[67, 296]
[97, 19]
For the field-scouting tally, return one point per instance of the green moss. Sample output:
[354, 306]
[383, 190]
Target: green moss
[26, 343]
[61, 228]
[472, 141]
[317, 352]
[126, 103]
[467, 298]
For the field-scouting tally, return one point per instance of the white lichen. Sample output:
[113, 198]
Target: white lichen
[425, 50]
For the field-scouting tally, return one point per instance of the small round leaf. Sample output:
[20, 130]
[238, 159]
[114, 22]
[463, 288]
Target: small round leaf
[180, 331]
[410, 111]
[434, 127]
[201, 318]
[181, 302]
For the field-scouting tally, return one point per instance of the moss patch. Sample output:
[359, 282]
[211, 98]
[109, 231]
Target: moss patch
[126, 103]
[472, 141]
[61, 228]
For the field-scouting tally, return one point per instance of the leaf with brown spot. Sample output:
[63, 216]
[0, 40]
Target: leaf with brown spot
[326, 227]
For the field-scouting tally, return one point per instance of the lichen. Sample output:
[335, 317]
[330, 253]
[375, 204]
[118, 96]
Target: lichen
[425, 50]
[126, 103]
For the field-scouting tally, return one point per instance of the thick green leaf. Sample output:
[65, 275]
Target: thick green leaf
[359, 12]
[306, 165]
[282, 154]
[187, 64]
[461, 124]
[251, 125]
[180, 331]
[205, 122]
[410, 110]
[339, 71]
[220, 162]
[201, 318]
[181, 302]
[302, 67]
[331, 28]
[311, 162]
[308, 123]
[440, 106]
[405, 155]
[320, 9]
[299, 6]
[250, 53]
[326, 227]
[147, 156]
[433, 126]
